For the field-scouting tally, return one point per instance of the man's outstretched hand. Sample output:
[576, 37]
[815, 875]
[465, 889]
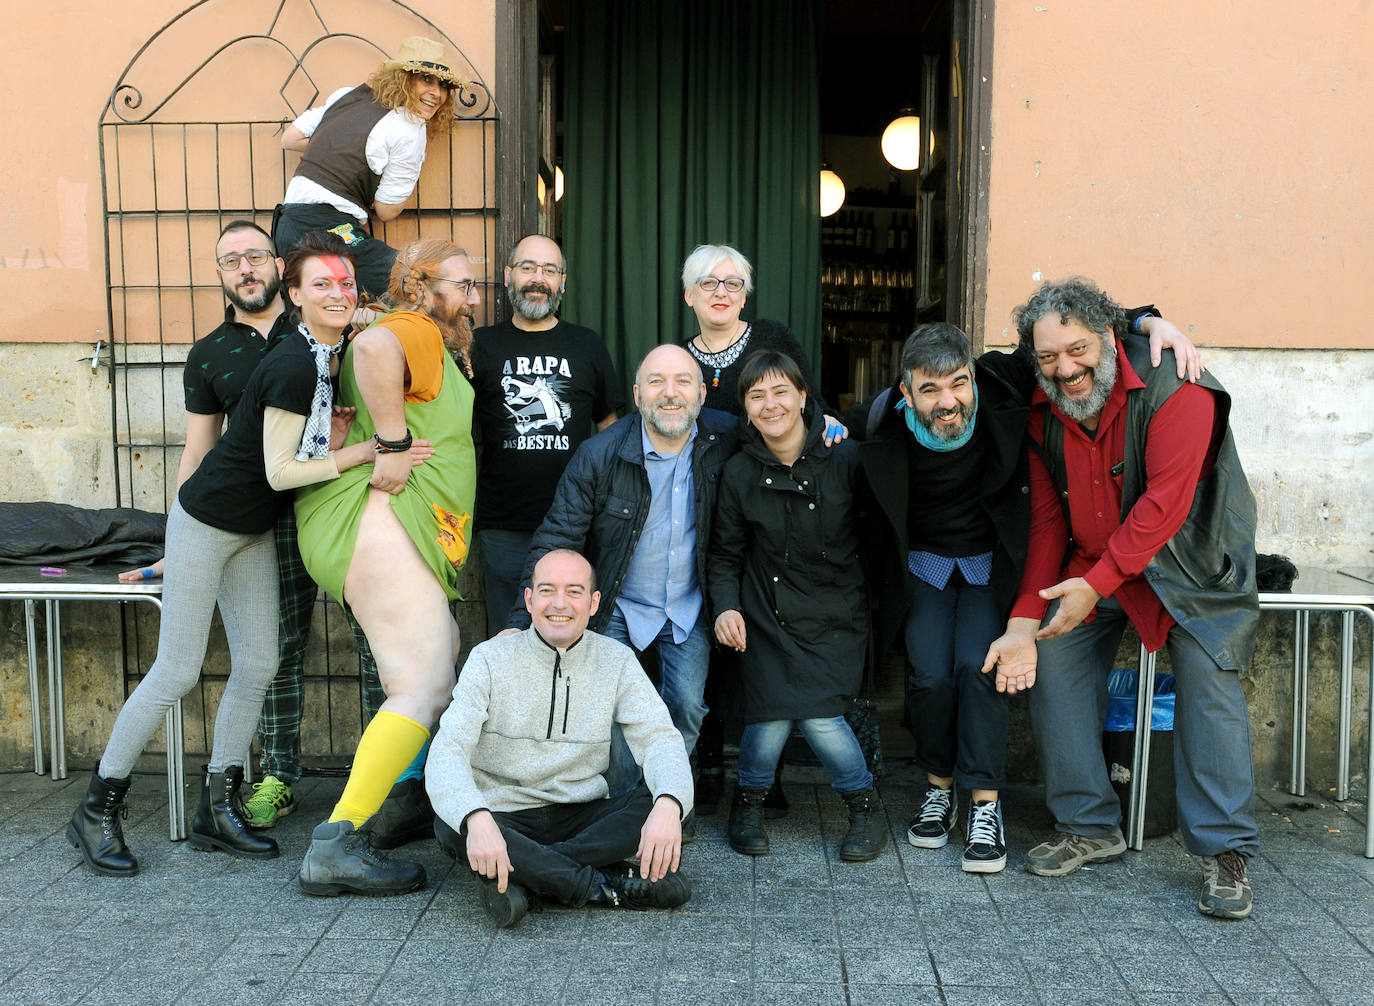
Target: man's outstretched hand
[660, 840]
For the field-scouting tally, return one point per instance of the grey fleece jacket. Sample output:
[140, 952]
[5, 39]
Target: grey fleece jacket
[531, 726]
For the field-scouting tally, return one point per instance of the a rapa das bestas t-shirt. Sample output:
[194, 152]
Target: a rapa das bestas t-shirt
[539, 395]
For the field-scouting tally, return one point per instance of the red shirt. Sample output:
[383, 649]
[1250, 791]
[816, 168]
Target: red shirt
[1110, 553]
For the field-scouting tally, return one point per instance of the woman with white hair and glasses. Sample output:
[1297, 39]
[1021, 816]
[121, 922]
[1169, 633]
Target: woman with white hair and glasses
[716, 282]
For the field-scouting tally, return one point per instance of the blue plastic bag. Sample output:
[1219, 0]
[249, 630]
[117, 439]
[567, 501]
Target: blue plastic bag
[1121, 691]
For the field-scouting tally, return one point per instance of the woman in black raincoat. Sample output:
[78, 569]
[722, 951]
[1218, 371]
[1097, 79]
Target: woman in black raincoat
[789, 593]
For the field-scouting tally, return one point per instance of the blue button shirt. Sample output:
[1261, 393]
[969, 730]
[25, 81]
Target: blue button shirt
[661, 583]
[937, 569]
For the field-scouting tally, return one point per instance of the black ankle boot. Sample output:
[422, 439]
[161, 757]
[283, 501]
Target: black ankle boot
[219, 825]
[745, 829]
[775, 804]
[405, 816]
[710, 788]
[95, 827]
[867, 835]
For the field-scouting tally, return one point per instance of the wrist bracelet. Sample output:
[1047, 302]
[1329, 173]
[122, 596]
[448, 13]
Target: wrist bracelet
[393, 446]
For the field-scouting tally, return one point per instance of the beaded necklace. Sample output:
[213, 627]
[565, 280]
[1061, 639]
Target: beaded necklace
[723, 359]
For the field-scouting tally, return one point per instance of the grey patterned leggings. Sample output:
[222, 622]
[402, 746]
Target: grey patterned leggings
[204, 565]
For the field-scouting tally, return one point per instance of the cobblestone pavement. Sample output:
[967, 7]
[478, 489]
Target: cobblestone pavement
[797, 926]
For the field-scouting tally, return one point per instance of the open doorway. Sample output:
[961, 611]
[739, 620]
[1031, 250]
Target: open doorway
[905, 246]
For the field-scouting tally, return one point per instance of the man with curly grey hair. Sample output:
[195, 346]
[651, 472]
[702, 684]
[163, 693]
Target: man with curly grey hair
[1140, 512]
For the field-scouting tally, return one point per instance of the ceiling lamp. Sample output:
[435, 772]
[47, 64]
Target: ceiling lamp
[902, 141]
[557, 184]
[832, 191]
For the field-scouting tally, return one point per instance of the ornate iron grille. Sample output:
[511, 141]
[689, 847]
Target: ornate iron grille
[190, 140]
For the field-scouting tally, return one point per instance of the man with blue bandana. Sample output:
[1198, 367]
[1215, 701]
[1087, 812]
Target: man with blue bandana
[945, 455]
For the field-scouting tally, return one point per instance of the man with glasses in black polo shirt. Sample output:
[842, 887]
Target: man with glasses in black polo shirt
[217, 370]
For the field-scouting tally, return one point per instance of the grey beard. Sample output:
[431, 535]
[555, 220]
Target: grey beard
[1104, 377]
[533, 310]
[655, 422]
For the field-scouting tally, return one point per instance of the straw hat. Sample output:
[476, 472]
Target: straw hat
[422, 55]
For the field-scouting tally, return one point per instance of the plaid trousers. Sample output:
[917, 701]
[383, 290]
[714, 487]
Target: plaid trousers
[279, 731]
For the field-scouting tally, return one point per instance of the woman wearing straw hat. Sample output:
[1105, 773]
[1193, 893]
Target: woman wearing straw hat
[361, 153]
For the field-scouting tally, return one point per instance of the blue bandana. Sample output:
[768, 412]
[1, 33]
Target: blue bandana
[929, 440]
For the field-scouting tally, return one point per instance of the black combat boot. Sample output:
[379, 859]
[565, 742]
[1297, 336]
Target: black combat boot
[405, 816]
[95, 827]
[867, 835]
[775, 804]
[219, 823]
[745, 829]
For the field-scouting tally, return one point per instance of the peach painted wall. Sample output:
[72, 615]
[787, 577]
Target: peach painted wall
[1215, 158]
[63, 60]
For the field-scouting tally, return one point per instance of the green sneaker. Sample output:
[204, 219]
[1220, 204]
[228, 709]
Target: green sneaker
[271, 799]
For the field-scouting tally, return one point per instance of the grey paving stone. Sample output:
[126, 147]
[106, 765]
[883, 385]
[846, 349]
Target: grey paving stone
[358, 956]
[867, 994]
[1177, 972]
[271, 953]
[514, 961]
[697, 962]
[797, 963]
[595, 992]
[720, 930]
[898, 931]
[1084, 971]
[1249, 976]
[1179, 999]
[798, 994]
[616, 967]
[804, 901]
[888, 966]
[440, 956]
[978, 964]
[306, 989]
[696, 992]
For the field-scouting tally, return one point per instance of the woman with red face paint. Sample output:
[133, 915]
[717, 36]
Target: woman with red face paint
[284, 433]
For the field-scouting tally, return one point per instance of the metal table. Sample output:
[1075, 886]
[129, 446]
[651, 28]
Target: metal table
[1314, 590]
[84, 583]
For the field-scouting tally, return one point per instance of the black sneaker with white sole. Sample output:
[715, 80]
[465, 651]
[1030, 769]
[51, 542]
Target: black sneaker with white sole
[931, 826]
[986, 848]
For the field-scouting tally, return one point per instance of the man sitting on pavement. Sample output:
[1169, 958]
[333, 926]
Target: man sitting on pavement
[639, 499]
[519, 789]
[1140, 512]
[541, 387]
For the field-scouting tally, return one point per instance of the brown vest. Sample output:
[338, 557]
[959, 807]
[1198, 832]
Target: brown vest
[337, 155]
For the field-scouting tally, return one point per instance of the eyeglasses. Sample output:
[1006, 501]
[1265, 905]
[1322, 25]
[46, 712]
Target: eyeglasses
[431, 79]
[255, 257]
[466, 287]
[528, 268]
[732, 283]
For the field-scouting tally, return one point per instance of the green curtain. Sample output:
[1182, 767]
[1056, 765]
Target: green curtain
[688, 124]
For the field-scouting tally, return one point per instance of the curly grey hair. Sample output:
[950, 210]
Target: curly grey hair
[1074, 299]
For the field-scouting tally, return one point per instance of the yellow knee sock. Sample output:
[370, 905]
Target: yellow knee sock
[388, 745]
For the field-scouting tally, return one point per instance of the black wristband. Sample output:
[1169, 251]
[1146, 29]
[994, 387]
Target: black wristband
[393, 446]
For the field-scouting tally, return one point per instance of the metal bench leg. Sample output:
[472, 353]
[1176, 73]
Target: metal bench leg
[35, 709]
[1297, 778]
[1344, 714]
[1140, 767]
[176, 784]
[57, 724]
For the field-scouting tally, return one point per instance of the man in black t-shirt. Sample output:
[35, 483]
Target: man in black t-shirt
[542, 387]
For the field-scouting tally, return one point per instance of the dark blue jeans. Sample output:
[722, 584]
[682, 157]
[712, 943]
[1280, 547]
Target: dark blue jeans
[958, 716]
[502, 554]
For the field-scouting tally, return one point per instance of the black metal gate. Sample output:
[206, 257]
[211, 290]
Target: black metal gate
[189, 140]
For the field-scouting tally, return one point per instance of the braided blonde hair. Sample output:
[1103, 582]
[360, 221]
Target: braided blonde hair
[416, 264]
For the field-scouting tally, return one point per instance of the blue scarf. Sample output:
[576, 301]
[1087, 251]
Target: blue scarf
[928, 439]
